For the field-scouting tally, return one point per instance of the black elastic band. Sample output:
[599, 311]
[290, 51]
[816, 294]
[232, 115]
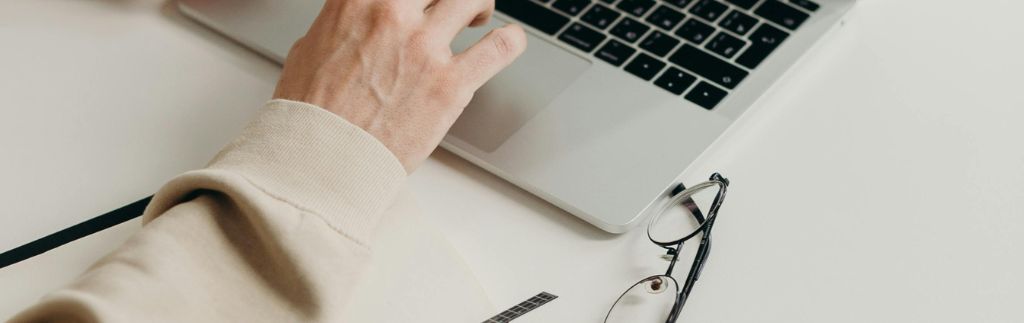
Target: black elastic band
[73, 233]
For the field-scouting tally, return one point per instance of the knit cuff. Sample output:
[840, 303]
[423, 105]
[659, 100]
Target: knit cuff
[319, 162]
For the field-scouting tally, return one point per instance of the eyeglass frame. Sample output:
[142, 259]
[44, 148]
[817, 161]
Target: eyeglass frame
[673, 247]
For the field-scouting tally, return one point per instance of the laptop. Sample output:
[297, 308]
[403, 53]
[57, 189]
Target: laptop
[613, 99]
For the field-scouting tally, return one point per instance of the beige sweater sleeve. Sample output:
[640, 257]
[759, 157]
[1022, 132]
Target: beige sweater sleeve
[275, 229]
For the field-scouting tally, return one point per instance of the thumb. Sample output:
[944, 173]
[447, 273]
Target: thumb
[490, 55]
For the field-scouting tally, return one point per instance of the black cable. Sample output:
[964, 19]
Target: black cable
[75, 232]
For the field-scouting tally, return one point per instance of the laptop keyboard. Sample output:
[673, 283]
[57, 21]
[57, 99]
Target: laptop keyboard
[698, 49]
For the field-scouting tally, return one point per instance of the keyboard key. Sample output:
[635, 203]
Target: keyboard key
[675, 80]
[615, 52]
[600, 16]
[738, 22]
[708, 66]
[745, 4]
[630, 30]
[725, 45]
[533, 14]
[659, 43]
[571, 7]
[763, 41]
[782, 14]
[681, 4]
[806, 4]
[709, 9]
[645, 66]
[665, 17]
[582, 37]
[695, 31]
[636, 7]
[706, 95]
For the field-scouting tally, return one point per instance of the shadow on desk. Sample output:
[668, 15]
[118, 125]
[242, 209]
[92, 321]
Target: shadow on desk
[541, 208]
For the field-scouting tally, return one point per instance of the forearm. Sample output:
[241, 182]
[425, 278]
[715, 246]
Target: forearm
[275, 229]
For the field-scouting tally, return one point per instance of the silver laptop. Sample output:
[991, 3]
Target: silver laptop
[612, 101]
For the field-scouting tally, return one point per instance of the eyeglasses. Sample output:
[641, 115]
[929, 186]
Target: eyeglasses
[659, 298]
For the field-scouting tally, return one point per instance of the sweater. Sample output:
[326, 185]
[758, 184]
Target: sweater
[281, 226]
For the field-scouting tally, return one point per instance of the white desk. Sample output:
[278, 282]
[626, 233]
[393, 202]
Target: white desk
[881, 183]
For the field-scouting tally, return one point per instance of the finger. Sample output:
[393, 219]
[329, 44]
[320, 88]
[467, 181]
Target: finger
[490, 55]
[429, 3]
[450, 17]
[485, 16]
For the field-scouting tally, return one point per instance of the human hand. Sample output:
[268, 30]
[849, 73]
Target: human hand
[387, 67]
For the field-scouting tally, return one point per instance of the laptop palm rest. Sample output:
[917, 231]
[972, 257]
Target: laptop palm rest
[518, 93]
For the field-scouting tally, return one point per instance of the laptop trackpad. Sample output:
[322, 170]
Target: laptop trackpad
[516, 94]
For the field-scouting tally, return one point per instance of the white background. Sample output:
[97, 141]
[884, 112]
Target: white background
[880, 183]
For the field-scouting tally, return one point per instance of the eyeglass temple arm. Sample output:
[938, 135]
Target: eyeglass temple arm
[695, 210]
[703, 251]
[691, 279]
[705, 242]
[698, 264]
[692, 206]
[700, 258]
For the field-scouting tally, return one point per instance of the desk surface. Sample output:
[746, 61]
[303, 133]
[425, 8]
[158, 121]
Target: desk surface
[880, 182]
